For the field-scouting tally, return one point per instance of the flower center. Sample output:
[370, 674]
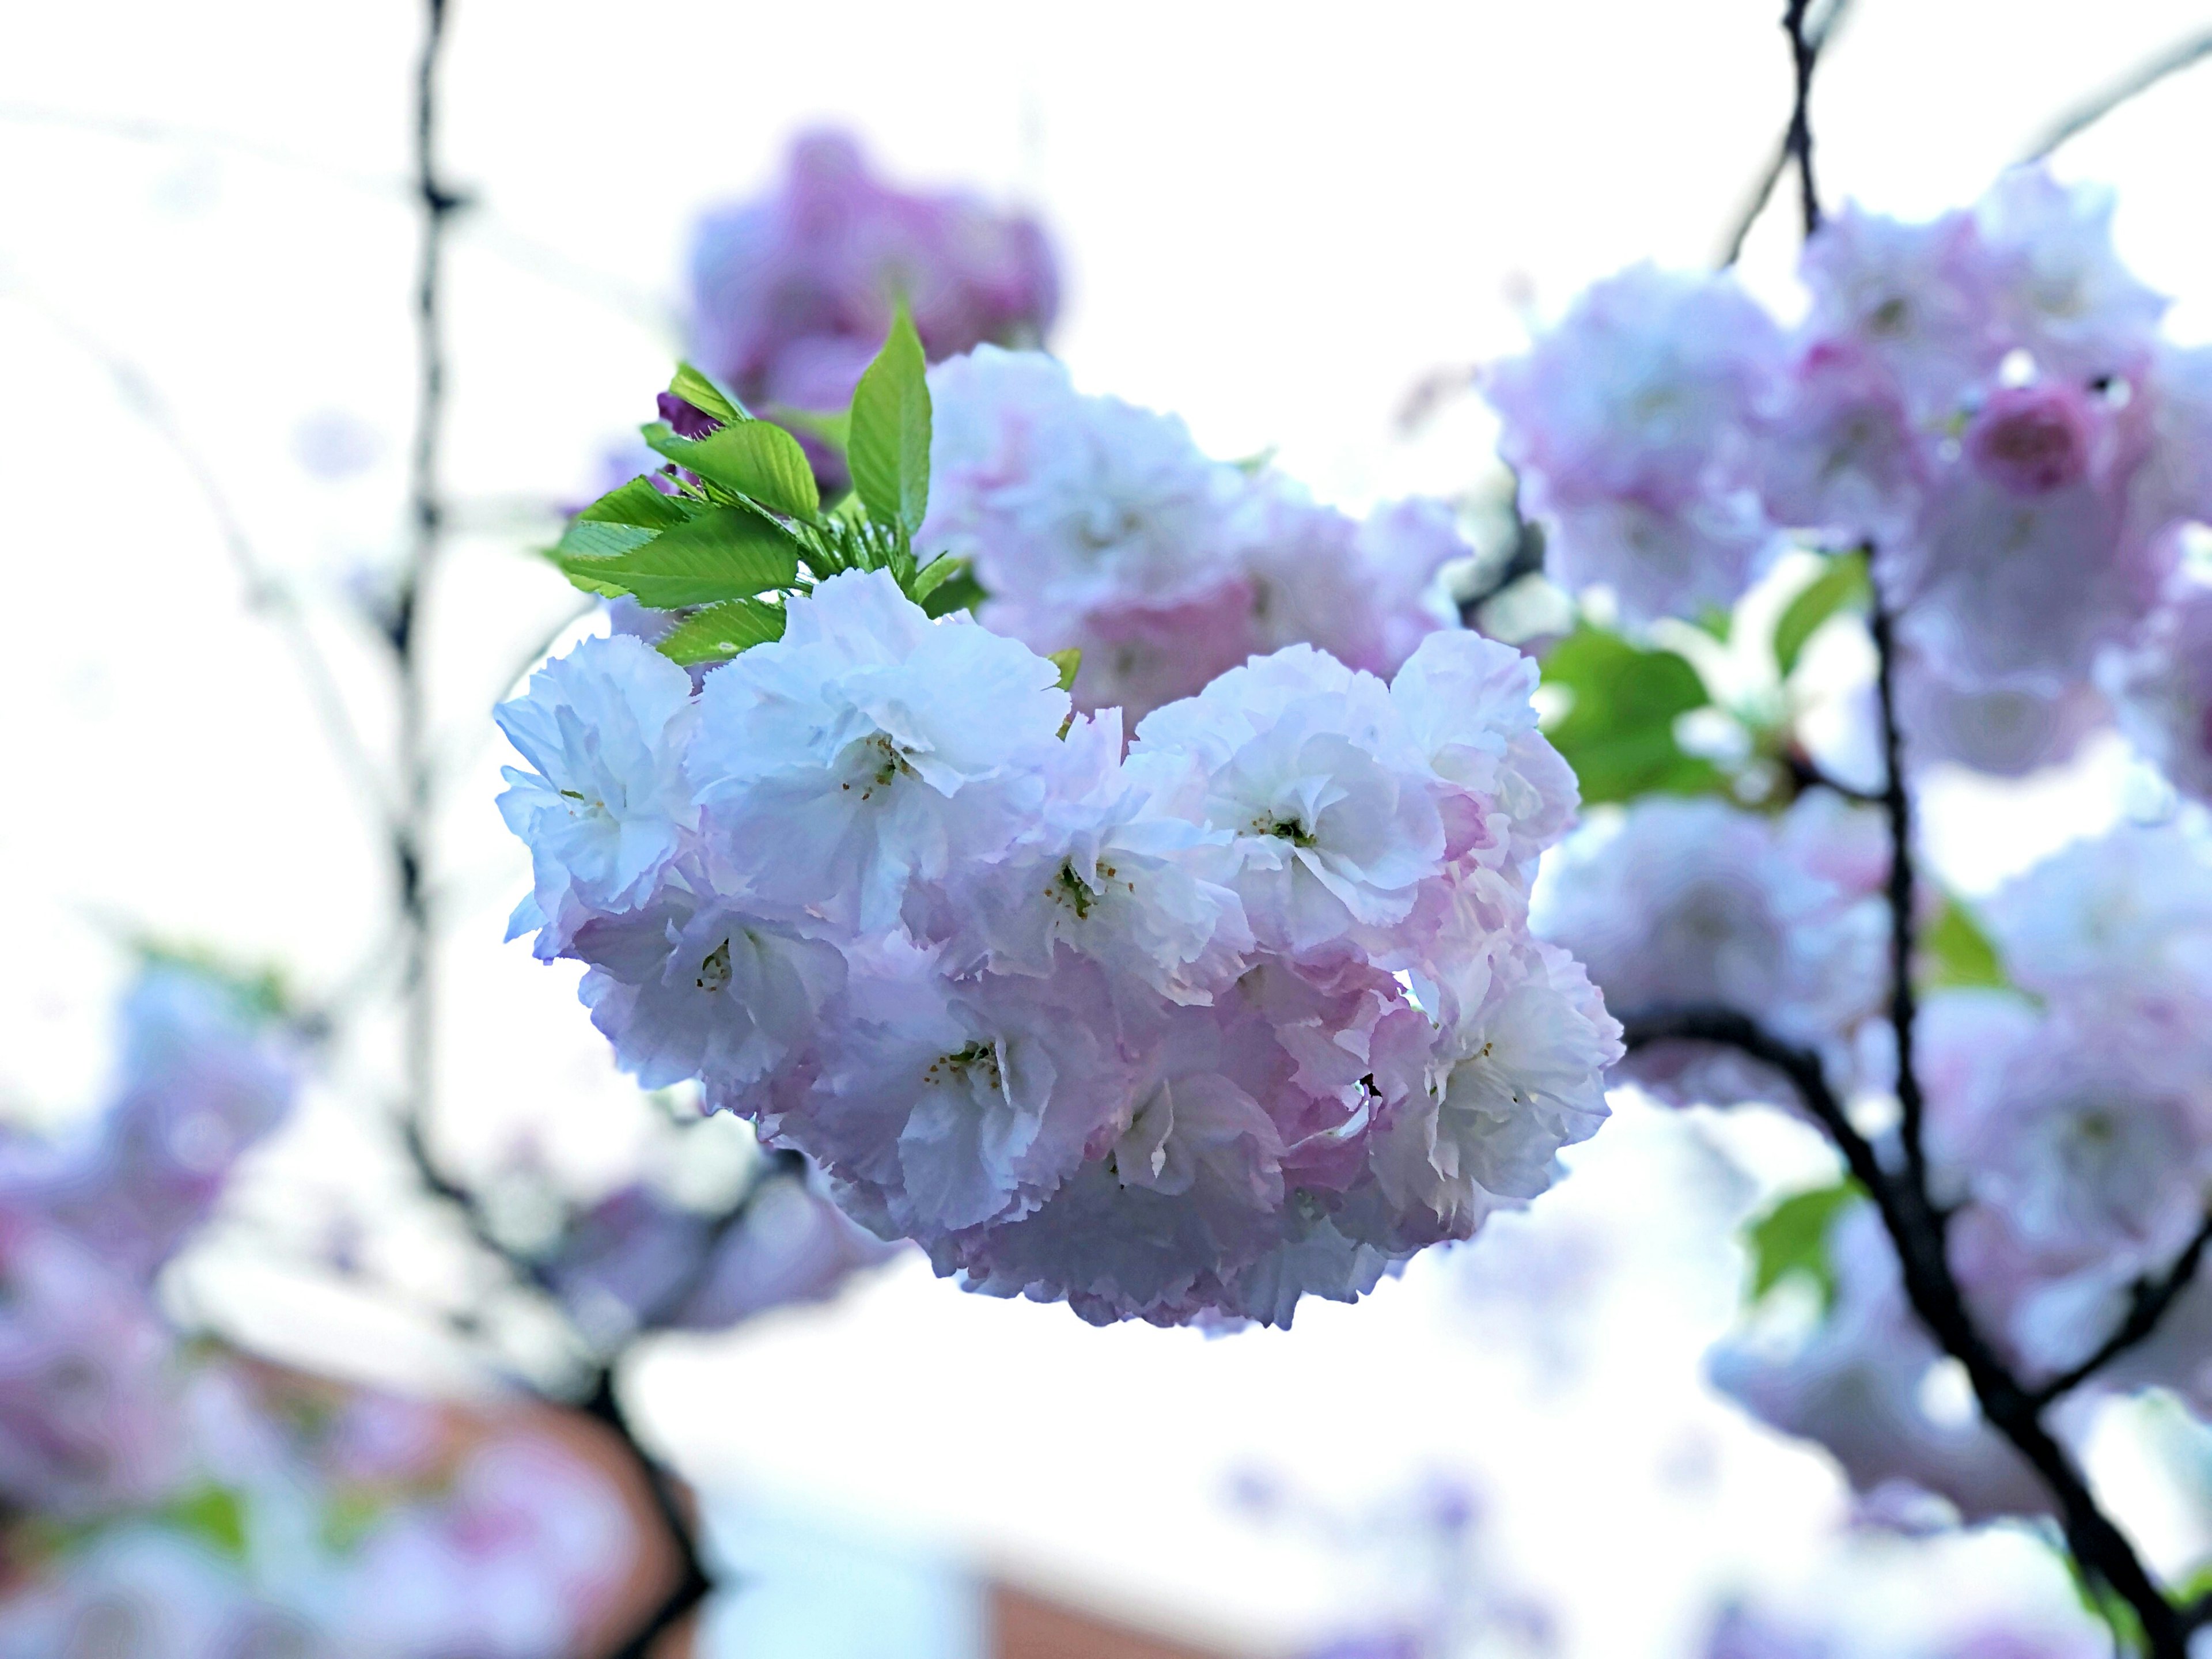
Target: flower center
[978, 1062]
[877, 764]
[715, 968]
[1291, 829]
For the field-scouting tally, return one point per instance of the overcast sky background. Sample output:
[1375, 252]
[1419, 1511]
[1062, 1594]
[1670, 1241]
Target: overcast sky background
[1276, 220]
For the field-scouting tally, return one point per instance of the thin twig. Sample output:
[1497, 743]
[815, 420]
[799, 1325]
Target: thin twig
[645, 310]
[410, 839]
[265, 595]
[2149, 1299]
[1805, 55]
[2086, 114]
[1762, 191]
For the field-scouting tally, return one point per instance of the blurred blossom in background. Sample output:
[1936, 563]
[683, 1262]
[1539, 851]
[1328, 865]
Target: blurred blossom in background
[291, 1366]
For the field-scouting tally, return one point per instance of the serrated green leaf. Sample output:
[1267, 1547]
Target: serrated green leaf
[593, 538]
[959, 591]
[729, 553]
[1956, 952]
[707, 394]
[887, 446]
[215, 1514]
[833, 427]
[933, 575]
[723, 630]
[1791, 1239]
[1069, 662]
[1619, 732]
[1843, 586]
[636, 502]
[752, 458]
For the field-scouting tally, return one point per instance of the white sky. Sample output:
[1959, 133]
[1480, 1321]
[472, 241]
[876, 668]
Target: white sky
[1276, 218]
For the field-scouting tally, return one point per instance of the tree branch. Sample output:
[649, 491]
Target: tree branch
[2086, 114]
[1805, 55]
[1762, 191]
[693, 1584]
[1897, 809]
[1916, 1233]
[265, 595]
[2148, 1299]
[410, 836]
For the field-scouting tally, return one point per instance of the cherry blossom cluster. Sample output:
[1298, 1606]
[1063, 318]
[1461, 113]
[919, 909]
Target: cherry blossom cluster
[1984, 400]
[1984, 406]
[2070, 1123]
[1240, 1011]
[180, 1498]
[304, 1517]
[1097, 525]
[791, 292]
[89, 1402]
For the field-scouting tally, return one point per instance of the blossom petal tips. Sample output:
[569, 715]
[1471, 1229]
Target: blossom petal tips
[604, 805]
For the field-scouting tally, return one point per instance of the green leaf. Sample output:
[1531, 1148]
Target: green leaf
[723, 630]
[1791, 1239]
[2101, 1602]
[935, 575]
[833, 427]
[958, 592]
[1956, 952]
[889, 445]
[1843, 586]
[594, 538]
[636, 502]
[707, 394]
[725, 554]
[1619, 732]
[215, 1514]
[752, 458]
[347, 1519]
[258, 989]
[1069, 662]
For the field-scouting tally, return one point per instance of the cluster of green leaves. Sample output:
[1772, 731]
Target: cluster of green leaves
[1791, 1240]
[737, 526]
[259, 989]
[1623, 698]
[1618, 732]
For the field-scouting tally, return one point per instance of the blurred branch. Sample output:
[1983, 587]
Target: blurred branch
[1806, 49]
[525, 253]
[1897, 810]
[426, 516]
[2149, 1299]
[692, 1584]
[1916, 1233]
[265, 595]
[2145, 75]
[1805, 55]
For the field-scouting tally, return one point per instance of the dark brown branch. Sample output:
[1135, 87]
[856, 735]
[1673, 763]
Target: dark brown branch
[1805, 55]
[1896, 808]
[1762, 190]
[693, 1584]
[1916, 1233]
[410, 836]
[1805, 773]
[2086, 114]
[2148, 1299]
